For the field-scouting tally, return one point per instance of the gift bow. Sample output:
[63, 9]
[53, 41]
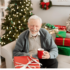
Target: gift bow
[27, 65]
[47, 4]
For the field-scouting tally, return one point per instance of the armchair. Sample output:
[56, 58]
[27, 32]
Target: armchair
[6, 52]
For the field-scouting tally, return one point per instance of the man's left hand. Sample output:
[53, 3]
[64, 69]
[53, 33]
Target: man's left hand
[46, 55]
[30, 55]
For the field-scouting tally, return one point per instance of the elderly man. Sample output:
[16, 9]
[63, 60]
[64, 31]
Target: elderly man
[36, 37]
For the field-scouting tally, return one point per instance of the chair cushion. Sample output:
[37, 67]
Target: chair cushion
[63, 61]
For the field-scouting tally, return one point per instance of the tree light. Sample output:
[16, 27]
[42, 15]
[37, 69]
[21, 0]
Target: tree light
[7, 35]
[16, 12]
[21, 10]
[17, 7]
[13, 35]
[20, 2]
[17, 15]
[1, 42]
[18, 21]
[22, 6]
[11, 18]
[14, 23]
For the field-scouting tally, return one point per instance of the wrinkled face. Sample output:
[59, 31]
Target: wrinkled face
[34, 26]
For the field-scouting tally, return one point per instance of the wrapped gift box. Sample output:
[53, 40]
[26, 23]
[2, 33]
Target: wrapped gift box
[64, 50]
[52, 31]
[67, 35]
[60, 27]
[61, 33]
[26, 62]
[62, 41]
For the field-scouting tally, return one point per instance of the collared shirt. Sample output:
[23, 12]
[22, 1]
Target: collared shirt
[34, 43]
[30, 35]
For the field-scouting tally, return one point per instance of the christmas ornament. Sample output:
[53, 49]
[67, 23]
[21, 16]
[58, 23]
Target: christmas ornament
[50, 26]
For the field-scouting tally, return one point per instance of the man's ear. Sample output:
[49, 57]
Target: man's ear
[41, 25]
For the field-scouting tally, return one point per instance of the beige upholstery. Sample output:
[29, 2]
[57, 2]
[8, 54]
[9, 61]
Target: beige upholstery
[63, 61]
[6, 51]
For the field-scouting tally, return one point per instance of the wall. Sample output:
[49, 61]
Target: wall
[55, 15]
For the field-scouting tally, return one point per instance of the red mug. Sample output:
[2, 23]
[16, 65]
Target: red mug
[40, 53]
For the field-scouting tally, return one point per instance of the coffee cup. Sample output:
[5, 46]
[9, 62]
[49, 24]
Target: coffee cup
[40, 53]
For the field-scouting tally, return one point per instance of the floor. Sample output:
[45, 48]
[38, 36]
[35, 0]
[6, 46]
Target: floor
[3, 65]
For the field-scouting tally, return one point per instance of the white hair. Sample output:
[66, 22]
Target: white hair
[35, 17]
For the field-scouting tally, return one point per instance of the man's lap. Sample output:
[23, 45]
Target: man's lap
[49, 63]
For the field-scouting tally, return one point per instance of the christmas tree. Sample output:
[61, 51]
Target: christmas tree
[15, 22]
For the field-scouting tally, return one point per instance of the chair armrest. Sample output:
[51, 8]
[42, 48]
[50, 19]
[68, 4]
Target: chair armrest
[6, 52]
[8, 48]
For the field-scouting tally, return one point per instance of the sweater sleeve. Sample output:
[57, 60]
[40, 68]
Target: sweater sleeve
[19, 47]
[49, 44]
[54, 50]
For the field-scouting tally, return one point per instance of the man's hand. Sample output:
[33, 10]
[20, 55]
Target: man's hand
[46, 55]
[30, 55]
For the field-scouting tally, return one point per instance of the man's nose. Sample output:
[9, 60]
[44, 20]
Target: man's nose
[34, 28]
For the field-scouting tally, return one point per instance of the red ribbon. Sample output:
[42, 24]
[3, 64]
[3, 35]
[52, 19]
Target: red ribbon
[47, 4]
